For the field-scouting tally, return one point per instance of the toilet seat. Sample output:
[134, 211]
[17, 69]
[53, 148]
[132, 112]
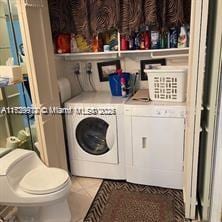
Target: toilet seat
[44, 180]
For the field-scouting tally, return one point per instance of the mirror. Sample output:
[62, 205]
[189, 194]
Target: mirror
[17, 131]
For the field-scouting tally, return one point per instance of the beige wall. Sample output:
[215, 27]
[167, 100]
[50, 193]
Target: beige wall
[131, 64]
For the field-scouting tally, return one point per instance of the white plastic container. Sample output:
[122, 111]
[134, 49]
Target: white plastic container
[167, 83]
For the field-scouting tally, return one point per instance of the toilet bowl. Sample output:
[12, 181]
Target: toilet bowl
[39, 192]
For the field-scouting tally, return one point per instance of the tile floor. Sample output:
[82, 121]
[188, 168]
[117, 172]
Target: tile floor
[81, 196]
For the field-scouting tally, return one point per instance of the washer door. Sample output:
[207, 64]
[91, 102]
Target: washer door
[92, 134]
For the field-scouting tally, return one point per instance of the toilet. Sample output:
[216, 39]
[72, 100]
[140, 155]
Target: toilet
[39, 192]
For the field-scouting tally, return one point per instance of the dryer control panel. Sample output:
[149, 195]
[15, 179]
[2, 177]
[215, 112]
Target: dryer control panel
[155, 111]
[164, 112]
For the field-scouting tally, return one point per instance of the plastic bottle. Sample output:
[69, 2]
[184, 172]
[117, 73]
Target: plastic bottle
[131, 42]
[147, 38]
[142, 41]
[164, 39]
[73, 44]
[95, 44]
[173, 37]
[137, 39]
[123, 86]
[182, 38]
[155, 39]
[122, 82]
[124, 43]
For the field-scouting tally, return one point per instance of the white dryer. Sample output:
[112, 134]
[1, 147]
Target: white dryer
[154, 143]
[95, 135]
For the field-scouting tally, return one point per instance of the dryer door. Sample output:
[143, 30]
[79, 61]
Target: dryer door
[96, 138]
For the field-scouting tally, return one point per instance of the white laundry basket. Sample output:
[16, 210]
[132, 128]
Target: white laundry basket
[167, 83]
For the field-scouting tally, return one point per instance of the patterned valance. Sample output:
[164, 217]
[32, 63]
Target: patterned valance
[60, 17]
[103, 15]
[89, 17]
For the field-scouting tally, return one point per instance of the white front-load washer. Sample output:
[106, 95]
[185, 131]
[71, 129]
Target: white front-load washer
[95, 135]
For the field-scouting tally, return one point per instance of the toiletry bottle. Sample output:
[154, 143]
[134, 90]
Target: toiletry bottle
[168, 39]
[182, 38]
[142, 41]
[155, 39]
[147, 38]
[131, 41]
[137, 39]
[163, 39]
[124, 43]
[173, 37]
[73, 44]
[95, 44]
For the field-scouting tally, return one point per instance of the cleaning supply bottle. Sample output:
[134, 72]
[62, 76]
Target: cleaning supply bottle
[142, 41]
[182, 38]
[131, 41]
[147, 38]
[123, 86]
[155, 39]
[173, 37]
[73, 44]
[137, 39]
[124, 43]
[163, 39]
[122, 82]
[95, 44]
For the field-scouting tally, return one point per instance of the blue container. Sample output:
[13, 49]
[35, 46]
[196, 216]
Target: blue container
[115, 84]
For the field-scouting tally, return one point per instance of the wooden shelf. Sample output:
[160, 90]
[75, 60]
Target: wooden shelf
[153, 53]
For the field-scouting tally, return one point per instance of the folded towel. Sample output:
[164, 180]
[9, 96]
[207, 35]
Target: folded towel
[3, 82]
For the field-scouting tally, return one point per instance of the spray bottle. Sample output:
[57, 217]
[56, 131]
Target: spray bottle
[122, 82]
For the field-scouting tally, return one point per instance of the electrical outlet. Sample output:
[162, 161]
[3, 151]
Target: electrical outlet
[89, 68]
[77, 68]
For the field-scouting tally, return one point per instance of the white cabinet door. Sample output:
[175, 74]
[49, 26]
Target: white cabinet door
[211, 95]
[158, 147]
[199, 17]
[36, 33]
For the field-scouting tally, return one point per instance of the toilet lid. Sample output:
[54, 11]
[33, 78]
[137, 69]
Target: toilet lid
[44, 180]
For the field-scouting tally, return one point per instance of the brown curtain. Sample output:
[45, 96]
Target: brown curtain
[151, 12]
[187, 10]
[167, 13]
[175, 12]
[155, 13]
[131, 15]
[80, 17]
[103, 15]
[60, 17]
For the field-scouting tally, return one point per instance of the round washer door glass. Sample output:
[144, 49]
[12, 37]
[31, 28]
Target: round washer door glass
[91, 135]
